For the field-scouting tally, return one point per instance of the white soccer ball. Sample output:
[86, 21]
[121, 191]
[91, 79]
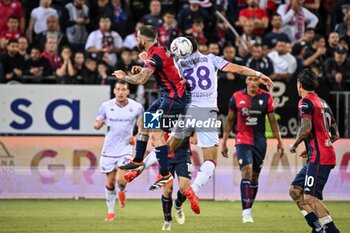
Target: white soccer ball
[181, 47]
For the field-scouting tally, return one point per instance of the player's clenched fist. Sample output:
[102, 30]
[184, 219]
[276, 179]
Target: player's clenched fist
[136, 69]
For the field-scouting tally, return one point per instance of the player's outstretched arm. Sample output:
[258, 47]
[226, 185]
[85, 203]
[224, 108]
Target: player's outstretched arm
[228, 127]
[304, 131]
[140, 78]
[246, 71]
[276, 132]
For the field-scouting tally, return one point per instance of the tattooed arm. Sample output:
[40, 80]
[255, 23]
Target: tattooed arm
[140, 78]
[334, 132]
[305, 129]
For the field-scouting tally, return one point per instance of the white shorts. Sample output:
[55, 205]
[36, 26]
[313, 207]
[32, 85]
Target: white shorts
[208, 135]
[109, 163]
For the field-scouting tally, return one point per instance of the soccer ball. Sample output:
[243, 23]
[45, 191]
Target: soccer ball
[181, 47]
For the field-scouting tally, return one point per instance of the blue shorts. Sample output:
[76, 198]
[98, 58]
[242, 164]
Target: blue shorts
[248, 154]
[181, 163]
[312, 178]
[171, 108]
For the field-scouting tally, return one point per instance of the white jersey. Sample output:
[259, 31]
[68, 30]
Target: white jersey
[120, 122]
[201, 72]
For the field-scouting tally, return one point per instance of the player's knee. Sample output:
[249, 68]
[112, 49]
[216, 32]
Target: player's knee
[309, 199]
[247, 172]
[167, 191]
[110, 186]
[294, 192]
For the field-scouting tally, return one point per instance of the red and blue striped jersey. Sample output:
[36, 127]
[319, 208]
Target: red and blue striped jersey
[318, 143]
[162, 63]
[250, 113]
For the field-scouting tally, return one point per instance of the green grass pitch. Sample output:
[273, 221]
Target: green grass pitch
[146, 216]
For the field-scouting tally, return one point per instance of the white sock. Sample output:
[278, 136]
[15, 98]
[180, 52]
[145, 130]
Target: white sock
[206, 171]
[247, 211]
[110, 200]
[150, 159]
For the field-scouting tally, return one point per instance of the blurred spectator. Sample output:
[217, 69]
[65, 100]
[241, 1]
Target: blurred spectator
[188, 14]
[255, 14]
[23, 47]
[9, 8]
[38, 18]
[343, 43]
[103, 69]
[248, 39]
[294, 16]
[75, 17]
[52, 31]
[276, 32]
[203, 48]
[337, 70]
[214, 48]
[168, 31]
[317, 51]
[37, 65]
[122, 21]
[333, 42]
[284, 63]
[312, 5]
[79, 60]
[344, 28]
[323, 83]
[308, 36]
[89, 71]
[104, 40]
[130, 40]
[66, 72]
[13, 32]
[51, 53]
[126, 62]
[222, 32]
[135, 56]
[97, 9]
[298, 51]
[258, 62]
[12, 62]
[154, 18]
[197, 30]
[340, 9]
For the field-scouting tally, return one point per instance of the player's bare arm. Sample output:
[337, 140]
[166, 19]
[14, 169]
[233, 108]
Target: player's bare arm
[243, 70]
[98, 124]
[334, 132]
[305, 129]
[276, 132]
[140, 78]
[228, 126]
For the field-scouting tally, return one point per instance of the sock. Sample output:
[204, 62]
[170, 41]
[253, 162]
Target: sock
[180, 199]
[167, 203]
[206, 171]
[162, 157]
[150, 159]
[313, 221]
[110, 200]
[329, 225]
[121, 188]
[245, 194]
[140, 150]
[253, 192]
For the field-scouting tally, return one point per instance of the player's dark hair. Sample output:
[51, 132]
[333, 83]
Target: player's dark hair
[193, 42]
[122, 82]
[308, 79]
[149, 31]
[13, 17]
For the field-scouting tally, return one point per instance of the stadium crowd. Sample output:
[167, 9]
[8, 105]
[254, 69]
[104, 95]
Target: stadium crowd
[83, 42]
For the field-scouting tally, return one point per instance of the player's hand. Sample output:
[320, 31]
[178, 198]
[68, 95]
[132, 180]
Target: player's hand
[143, 56]
[136, 69]
[119, 74]
[132, 140]
[293, 148]
[303, 154]
[266, 81]
[224, 150]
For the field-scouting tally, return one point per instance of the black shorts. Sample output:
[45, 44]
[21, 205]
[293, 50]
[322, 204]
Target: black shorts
[170, 108]
[312, 178]
[183, 169]
[248, 154]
